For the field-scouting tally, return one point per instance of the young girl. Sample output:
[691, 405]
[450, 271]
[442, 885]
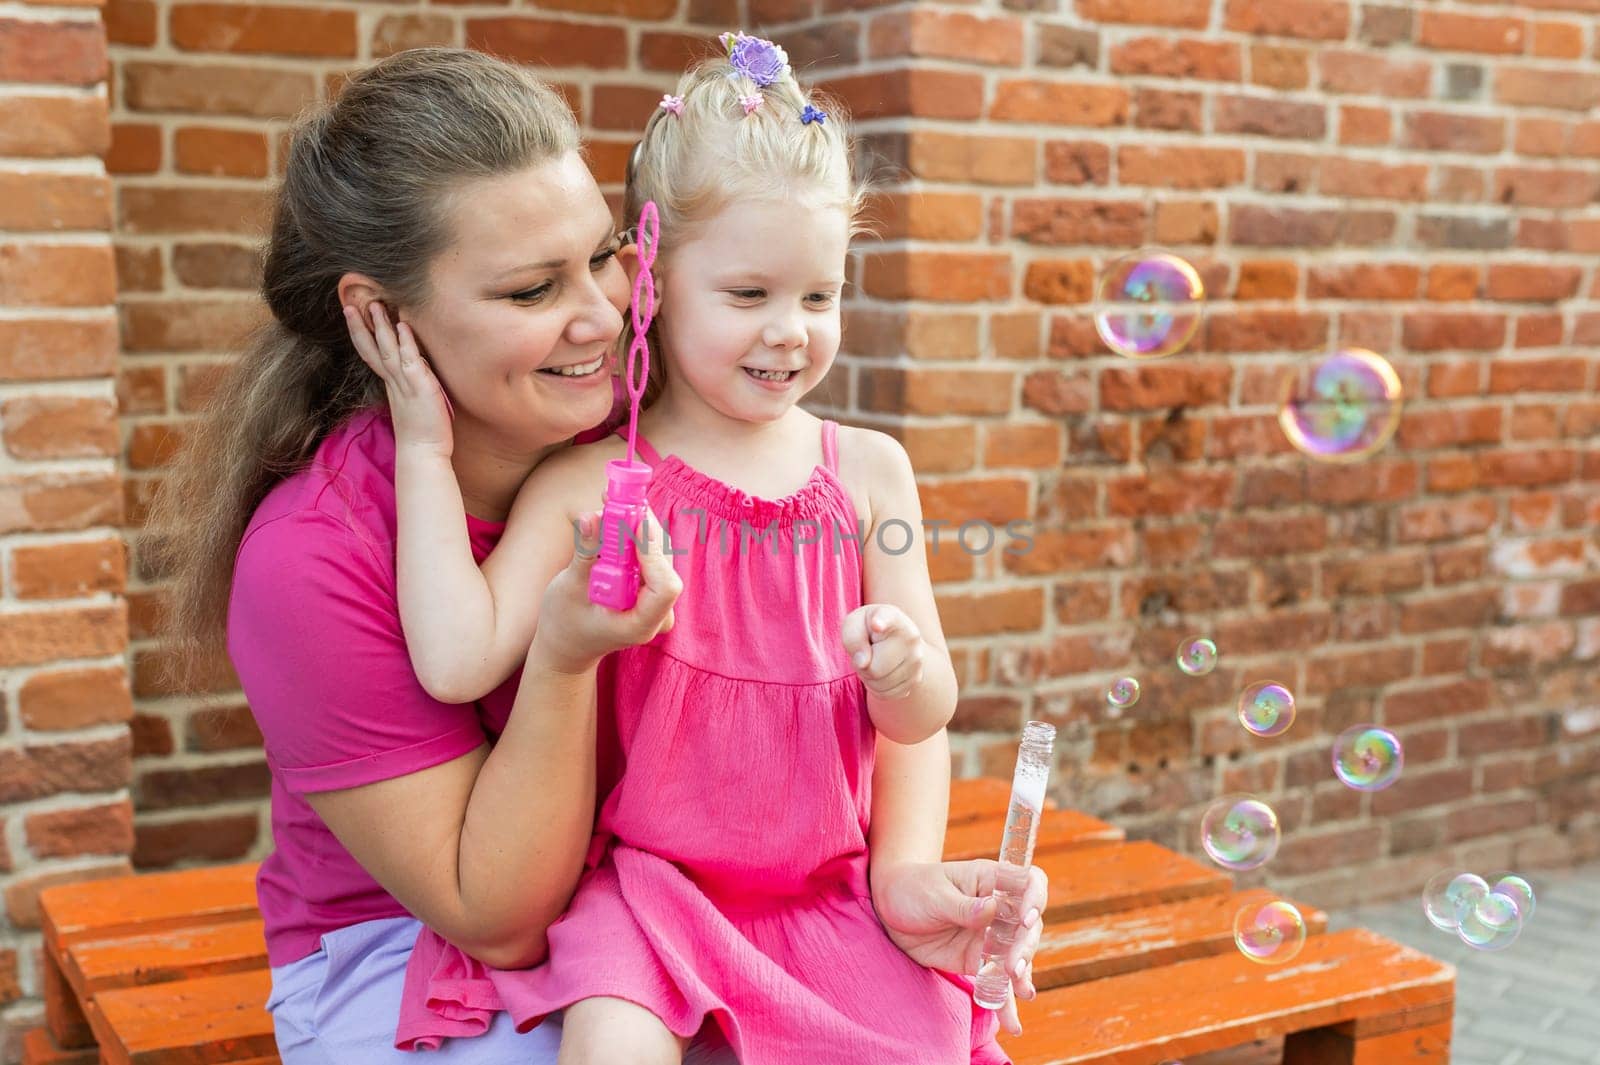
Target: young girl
[728, 876]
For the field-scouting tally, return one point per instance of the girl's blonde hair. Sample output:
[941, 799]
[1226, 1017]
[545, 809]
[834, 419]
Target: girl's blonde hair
[369, 187]
[695, 161]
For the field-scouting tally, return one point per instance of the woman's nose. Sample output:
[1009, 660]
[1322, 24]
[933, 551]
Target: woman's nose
[599, 320]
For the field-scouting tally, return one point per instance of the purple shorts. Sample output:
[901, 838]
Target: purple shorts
[340, 1005]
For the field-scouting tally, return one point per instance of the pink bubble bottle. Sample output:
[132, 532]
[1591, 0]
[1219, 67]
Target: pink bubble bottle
[614, 580]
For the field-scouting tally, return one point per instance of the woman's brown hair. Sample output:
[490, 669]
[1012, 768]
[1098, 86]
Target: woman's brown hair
[368, 188]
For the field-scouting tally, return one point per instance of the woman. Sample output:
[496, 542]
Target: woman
[446, 187]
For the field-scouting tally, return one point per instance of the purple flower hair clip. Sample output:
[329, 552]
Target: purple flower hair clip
[672, 104]
[750, 103]
[812, 114]
[756, 58]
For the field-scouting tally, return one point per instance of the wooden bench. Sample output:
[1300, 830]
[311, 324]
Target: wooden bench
[1137, 965]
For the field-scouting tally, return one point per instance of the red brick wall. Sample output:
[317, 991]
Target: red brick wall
[64, 745]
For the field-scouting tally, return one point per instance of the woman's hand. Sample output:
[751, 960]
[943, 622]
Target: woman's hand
[417, 403]
[937, 912]
[574, 634]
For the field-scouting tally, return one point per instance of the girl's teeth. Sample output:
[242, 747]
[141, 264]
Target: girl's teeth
[773, 375]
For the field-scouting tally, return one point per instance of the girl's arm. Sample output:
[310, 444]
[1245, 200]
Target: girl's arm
[466, 629]
[901, 618]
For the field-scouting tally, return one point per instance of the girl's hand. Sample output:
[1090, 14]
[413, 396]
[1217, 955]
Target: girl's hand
[417, 404]
[574, 634]
[937, 912]
[885, 648]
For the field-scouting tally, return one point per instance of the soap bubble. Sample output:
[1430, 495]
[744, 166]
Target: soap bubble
[1197, 656]
[1123, 693]
[1517, 890]
[1448, 896]
[1266, 708]
[1239, 832]
[1148, 304]
[1341, 408]
[1269, 933]
[1367, 758]
[1490, 923]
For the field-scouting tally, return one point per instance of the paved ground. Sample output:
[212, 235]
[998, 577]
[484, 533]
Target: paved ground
[1538, 1001]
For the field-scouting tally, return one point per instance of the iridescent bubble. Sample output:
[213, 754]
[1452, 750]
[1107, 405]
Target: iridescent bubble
[1367, 758]
[1197, 656]
[1491, 923]
[1123, 693]
[1269, 933]
[1341, 408]
[1148, 304]
[1266, 708]
[1448, 896]
[1517, 890]
[1239, 832]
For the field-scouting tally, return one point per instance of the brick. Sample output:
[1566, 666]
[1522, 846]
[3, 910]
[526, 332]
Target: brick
[42, 503]
[833, 43]
[224, 838]
[1527, 187]
[1077, 162]
[938, 275]
[1067, 46]
[1280, 66]
[1260, 226]
[220, 152]
[926, 215]
[1384, 26]
[546, 42]
[1027, 444]
[914, 91]
[34, 349]
[1454, 282]
[1430, 429]
[396, 33]
[207, 264]
[1370, 482]
[1161, 109]
[933, 34]
[1011, 610]
[45, 202]
[138, 269]
[1265, 330]
[1468, 233]
[45, 427]
[1077, 221]
[1053, 392]
[981, 160]
[192, 209]
[924, 390]
[1525, 282]
[56, 275]
[1181, 14]
[1313, 19]
[1178, 58]
[1557, 40]
[131, 21]
[1267, 279]
[1358, 178]
[1460, 184]
[1180, 167]
[188, 325]
[52, 52]
[1270, 118]
[215, 89]
[166, 789]
[996, 500]
[1443, 131]
[1539, 330]
[1286, 172]
[1168, 492]
[1186, 222]
[1373, 75]
[1537, 375]
[22, 896]
[1367, 126]
[1451, 32]
[135, 148]
[1059, 281]
[52, 127]
[104, 829]
[673, 52]
[1015, 336]
[1159, 387]
[33, 637]
[1545, 137]
[142, 390]
[1059, 103]
[264, 29]
[641, 10]
[1364, 281]
[1437, 331]
[68, 570]
[223, 728]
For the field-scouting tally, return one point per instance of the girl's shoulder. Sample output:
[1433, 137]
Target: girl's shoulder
[874, 468]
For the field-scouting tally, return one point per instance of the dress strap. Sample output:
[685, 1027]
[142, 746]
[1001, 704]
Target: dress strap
[645, 451]
[830, 446]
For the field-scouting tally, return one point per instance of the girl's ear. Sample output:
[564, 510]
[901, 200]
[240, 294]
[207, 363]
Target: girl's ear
[628, 256]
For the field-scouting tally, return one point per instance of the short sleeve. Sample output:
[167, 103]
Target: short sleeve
[314, 635]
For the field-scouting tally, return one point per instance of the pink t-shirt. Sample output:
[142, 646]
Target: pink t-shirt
[314, 634]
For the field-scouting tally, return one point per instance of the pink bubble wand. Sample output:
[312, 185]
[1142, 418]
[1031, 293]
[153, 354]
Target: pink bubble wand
[614, 581]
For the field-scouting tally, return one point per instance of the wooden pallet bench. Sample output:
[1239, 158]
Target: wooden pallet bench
[1137, 965]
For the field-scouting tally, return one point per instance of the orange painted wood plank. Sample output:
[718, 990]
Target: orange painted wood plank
[1057, 829]
[1208, 1004]
[62, 1014]
[1112, 877]
[39, 1048]
[978, 798]
[148, 902]
[1417, 1046]
[192, 1022]
[97, 965]
[1072, 952]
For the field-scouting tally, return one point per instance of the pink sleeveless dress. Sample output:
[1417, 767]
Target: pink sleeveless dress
[728, 873]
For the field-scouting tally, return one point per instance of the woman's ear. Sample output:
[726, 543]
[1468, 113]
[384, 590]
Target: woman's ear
[359, 291]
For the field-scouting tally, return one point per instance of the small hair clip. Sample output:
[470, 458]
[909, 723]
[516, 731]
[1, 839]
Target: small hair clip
[672, 104]
[750, 103]
[756, 58]
[812, 114]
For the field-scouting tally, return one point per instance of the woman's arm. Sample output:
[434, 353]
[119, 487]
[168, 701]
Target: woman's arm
[487, 848]
[910, 645]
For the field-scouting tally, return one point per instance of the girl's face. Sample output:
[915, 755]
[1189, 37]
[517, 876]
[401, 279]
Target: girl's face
[749, 311]
[526, 306]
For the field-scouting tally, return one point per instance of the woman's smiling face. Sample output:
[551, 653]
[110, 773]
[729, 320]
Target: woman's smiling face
[525, 305]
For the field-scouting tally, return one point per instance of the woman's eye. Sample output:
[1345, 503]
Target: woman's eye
[532, 295]
[604, 257]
